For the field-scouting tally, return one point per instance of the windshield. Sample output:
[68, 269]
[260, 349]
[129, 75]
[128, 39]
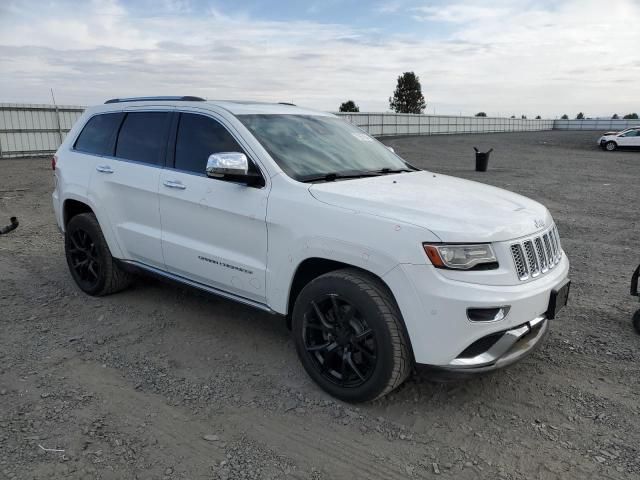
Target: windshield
[307, 146]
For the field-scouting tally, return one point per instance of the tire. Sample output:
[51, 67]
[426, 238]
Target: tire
[610, 146]
[90, 262]
[350, 336]
[636, 321]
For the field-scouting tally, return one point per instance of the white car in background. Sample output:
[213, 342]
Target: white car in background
[611, 141]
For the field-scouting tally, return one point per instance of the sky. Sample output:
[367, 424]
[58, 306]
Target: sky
[503, 57]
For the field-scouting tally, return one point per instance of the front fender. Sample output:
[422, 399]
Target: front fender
[326, 248]
[301, 227]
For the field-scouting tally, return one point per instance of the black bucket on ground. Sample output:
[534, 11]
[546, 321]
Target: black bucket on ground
[482, 160]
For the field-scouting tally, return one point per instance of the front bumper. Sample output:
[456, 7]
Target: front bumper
[434, 309]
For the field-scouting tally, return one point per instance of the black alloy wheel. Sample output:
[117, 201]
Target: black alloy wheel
[83, 256]
[350, 336]
[342, 346]
[89, 259]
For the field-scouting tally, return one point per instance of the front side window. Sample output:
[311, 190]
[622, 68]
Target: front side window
[305, 146]
[99, 134]
[198, 137]
[143, 137]
[631, 133]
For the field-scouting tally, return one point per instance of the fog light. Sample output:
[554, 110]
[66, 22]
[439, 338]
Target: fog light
[490, 314]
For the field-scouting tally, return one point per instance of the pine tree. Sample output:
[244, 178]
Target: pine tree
[408, 97]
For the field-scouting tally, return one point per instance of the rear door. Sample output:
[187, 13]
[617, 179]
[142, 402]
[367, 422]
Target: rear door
[213, 231]
[126, 184]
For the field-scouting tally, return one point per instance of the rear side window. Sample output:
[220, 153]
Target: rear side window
[99, 134]
[143, 137]
[198, 137]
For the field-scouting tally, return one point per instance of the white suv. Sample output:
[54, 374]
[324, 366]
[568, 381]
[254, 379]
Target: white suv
[627, 138]
[377, 265]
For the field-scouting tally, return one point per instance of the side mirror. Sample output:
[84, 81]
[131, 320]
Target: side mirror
[390, 149]
[227, 163]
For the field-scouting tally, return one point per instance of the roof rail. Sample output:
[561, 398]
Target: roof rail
[186, 98]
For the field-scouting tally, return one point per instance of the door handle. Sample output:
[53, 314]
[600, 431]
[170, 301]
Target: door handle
[174, 184]
[104, 169]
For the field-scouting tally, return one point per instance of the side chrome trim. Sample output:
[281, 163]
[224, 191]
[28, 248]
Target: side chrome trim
[503, 311]
[201, 286]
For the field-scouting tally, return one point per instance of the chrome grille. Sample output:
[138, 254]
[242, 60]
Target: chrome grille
[556, 237]
[536, 255]
[532, 259]
[518, 259]
[547, 248]
[541, 255]
[554, 247]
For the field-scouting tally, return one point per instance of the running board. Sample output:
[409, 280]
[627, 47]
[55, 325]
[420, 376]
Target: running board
[200, 286]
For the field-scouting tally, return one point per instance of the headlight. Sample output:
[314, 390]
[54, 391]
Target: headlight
[462, 257]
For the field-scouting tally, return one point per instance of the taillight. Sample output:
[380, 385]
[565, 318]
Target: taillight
[54, 160]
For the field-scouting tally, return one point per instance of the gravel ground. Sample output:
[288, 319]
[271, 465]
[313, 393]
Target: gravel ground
[161, 382]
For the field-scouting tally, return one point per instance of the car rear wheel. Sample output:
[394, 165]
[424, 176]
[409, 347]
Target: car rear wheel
[610, 146]
[90, 262]
[349, 336]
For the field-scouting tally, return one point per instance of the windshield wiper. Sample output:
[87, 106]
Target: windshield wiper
[332, 177]
[386, 170]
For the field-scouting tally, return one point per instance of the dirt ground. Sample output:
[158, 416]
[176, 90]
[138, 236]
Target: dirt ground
[161, 382]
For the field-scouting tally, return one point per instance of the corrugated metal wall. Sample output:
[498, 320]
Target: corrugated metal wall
[604, 125]
[29, 130]
[383, 124]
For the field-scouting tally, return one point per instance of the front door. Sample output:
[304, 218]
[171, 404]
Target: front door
[213, 231]
[629, 139]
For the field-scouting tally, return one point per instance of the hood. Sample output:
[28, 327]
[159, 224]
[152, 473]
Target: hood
[609, 133]
[454, 209]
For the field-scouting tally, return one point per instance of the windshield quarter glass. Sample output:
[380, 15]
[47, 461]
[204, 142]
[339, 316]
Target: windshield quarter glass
[308, 145]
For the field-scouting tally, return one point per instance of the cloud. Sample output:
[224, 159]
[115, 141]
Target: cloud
[504, 57]
[459, 13]
[389, 7]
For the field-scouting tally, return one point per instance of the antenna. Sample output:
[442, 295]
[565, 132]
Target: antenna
[57, 116]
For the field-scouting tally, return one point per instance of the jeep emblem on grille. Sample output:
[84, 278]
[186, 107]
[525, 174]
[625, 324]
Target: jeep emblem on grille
[539, 223]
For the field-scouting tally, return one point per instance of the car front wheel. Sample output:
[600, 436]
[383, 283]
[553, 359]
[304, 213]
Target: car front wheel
[349, 335]
[610, 146]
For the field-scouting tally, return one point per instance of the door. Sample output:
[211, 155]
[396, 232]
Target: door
[629, 139]
[213, 231]
[125, 185]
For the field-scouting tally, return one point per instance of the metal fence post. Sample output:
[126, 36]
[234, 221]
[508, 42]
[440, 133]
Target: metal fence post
[57, 117]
